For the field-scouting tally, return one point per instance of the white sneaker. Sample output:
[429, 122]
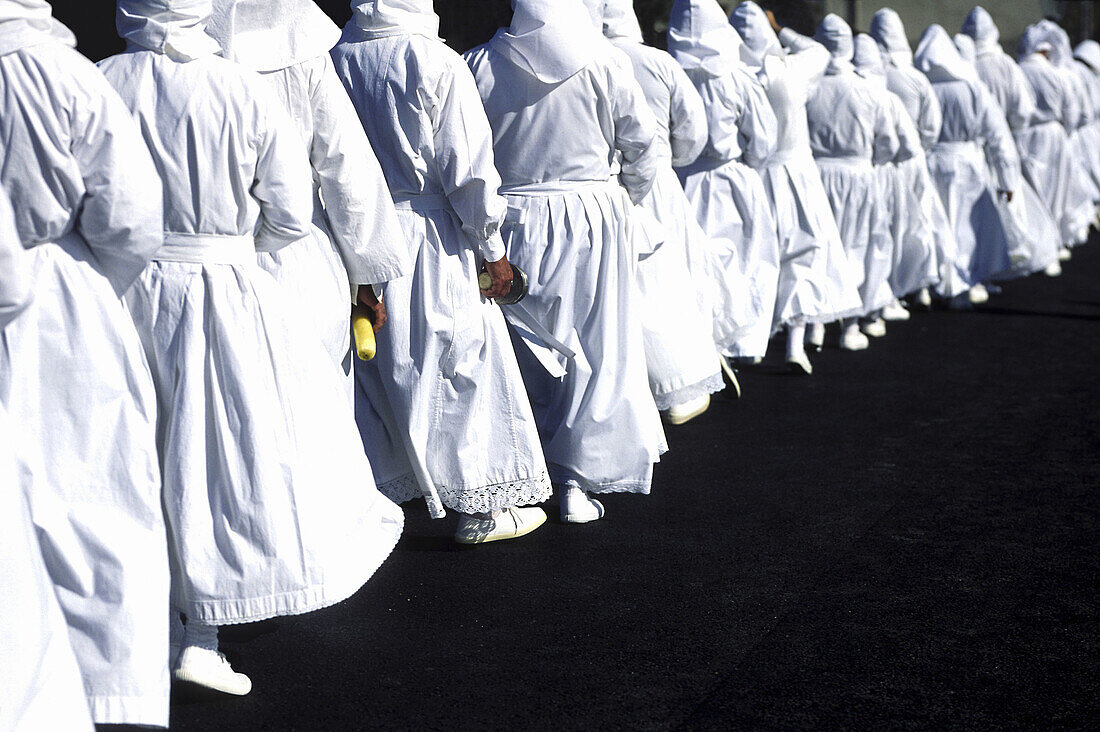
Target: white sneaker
[512, 523]
[210, 669]
[895, 311]
[1064, 254]
[815, 336]
[852, 340]
[689, 410]
[1054, 269]
[978, 294]
[924, 299]
[799, 363]
[875, 328]
[731, 376]
[577, 507]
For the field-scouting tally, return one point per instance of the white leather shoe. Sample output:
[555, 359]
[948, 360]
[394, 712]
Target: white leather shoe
[577, 507]
[852, 340]
[210, 669]
[875, 328]
[512, 523]
[815, 336]
[978, 294]
[895, 311]
[799, 363]
[689, 410]
[1064, 254]
[1053, 269]
[731, 376]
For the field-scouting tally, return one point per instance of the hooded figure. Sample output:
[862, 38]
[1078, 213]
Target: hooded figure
[561, 111]
[681, 357]
[722, 184]
[971, 121]
[1048, 158]
[441, 408]
[52, 696]
[355, 239]
[1085, 138]
[815, 282]
[72, 374]
[914, 264]
[851, 131]
[267, 492]
[1033, 238]
[1000, 74]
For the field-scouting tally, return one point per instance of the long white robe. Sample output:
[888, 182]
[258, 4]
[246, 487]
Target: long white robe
[267, 492]
[441, 408]
[355, 238]
[676, 281]
[915, 92]
[851, 131]
[72, 372]
[554, 144]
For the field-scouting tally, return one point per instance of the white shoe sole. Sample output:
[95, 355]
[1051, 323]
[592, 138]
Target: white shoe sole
[675, 417]
[182, 675]
[573, 518]
[488, 538]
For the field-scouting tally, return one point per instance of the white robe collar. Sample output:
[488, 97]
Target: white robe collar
[549, 39]
[27, 23]
[381, 18]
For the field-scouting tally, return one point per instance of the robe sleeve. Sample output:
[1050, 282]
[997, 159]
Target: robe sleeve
[1000, 146]
[358, 207]
[1021, 102]
[635, 132]
[464, 155]
[283, 183]
[15, 269]
[687, 119]
[1069, 108]
[909, 140]
[929, 115]
[758, 129]
[885, 143]
[121, 215]
[807, 58]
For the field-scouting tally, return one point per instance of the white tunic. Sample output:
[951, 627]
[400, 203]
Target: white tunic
[556, 129]
[441, 408]
[1046, 154]
[72, 374]
[677, 327]
[268, 494]
[722, 184]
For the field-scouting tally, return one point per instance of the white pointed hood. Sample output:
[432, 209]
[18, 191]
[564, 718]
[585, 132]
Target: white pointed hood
[266, 35]
[28, 22]
[700, 37]
[889, 31]
[835, 35]
[1061, 51]
[550, 39]
[964, 44]
[1034, 40]
[938, 58]
[381, 18]
[620, 21]
[1089, 52]
[175, 28]
[757, 34]
[979, 25]
[867, 59]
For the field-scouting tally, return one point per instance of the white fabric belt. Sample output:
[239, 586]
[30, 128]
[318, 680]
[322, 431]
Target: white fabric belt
[422, 202]
[795, 155]
[559, 187]
[955, 145]
[855, 162]
[206, 249]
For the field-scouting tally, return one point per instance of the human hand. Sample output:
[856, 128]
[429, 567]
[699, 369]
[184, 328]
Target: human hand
[376, 309]
[501, 274]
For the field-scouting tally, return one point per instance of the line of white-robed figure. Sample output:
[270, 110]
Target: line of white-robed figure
[195, 444]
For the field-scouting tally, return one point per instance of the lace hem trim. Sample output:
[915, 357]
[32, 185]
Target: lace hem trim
[472, 499]
[710, 385]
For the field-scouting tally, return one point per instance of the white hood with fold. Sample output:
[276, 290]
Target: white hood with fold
[758, 36]
[175, 28]
[27, 22]
[549, 39]
[381, 18]
[836, 36]
[1035, 39]
[700, 37]
[979, 25]
[889, 31]
[1088, 52]
[620, 21]
[966, 48]
[267, 35]
[938, 58]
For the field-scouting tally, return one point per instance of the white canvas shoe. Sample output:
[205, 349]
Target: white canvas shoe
[1054, 269]
[731, 376]
[799, 363]
[577, 507]
[815, 336]
[210, 669]
[1064, 254]
[511, 523]
[689, 410]
[895, 311]
[875, 328]
[924, 299]
[852, 340]
[978, 294]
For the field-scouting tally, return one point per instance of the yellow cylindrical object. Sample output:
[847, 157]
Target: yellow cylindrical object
[484, 280]
[362, 330]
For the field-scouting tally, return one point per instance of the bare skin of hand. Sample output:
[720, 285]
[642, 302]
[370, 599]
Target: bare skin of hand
[501, 272]
[1006, 195]
[375, 307]
[771, 19]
